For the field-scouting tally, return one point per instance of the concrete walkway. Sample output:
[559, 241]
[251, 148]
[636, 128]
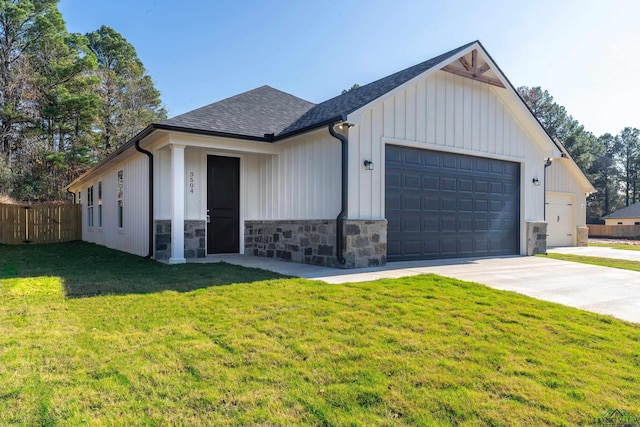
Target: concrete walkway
[601, 290]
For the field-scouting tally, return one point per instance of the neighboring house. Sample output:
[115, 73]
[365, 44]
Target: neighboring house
[440, 160]
[625, 216]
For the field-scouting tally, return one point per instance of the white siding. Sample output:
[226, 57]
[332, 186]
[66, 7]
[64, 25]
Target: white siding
[561, 180]
[440, 112]
[302, 181]
[133, 236]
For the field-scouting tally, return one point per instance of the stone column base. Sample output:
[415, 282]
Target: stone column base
[536, 238]
[194, 239]
[582, 236]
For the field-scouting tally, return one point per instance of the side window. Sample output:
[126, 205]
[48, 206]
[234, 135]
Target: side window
[90, 206]
[100, 204]
[120, 199]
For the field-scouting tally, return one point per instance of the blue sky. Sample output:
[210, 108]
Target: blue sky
[585, 53]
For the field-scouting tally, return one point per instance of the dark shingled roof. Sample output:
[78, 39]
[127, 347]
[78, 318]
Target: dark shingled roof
[632, 211]
[266, 110]
[260, 111]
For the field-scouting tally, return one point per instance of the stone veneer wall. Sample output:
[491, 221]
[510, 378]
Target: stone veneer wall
[366, 243]
[536, 238]
[583, 236]
[313, 241]
[194, 239]
[162, 250]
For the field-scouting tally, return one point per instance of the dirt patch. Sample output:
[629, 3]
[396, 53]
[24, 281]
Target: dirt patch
[615, 241]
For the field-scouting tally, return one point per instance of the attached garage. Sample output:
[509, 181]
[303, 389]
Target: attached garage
[560, 224]
[447, 205]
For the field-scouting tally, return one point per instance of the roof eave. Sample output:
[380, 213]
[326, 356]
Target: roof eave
[169, 128]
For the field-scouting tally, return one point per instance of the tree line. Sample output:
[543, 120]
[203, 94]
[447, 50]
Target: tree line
[611, 162]
[66, 100]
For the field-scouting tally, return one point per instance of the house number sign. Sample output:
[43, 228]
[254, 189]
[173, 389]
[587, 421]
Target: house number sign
[192, 182]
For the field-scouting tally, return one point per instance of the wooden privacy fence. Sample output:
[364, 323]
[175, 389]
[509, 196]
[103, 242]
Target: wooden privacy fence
[40, 224]
[599, 230]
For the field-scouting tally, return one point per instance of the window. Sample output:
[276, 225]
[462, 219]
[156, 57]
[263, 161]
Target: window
[636, 223]
[619, 223]
[90, 206]
[120, 202]
[100, 204]
[80, 197]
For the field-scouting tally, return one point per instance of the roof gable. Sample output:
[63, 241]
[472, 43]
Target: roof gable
[632, 211]
[342, 105]
[254, 113]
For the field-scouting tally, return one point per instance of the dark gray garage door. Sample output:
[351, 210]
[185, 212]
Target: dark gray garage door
[444, 205]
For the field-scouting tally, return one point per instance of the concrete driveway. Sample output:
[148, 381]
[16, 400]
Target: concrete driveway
[601, 290]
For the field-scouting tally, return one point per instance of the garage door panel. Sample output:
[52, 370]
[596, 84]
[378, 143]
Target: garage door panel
[465, 185]
[482, 165]
[430, 183]
[411, 224]
[447, 204]
[430, 203]
[482, 186]
[465, 225]
[393, 225]
[393, 202]
[447, 225]
[466, 206]
[481, 205]
[412, 247]
[466, 163]
[448, 246]
[393, 179]
[411, 181]
[431, 160]
[430, 224]
[411, 202]
[449, 184]
[465, 246]
[449, 162]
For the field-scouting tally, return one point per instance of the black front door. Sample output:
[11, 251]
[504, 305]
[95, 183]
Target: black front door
[223, 204]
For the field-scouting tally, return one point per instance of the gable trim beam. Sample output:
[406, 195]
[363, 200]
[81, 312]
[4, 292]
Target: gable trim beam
[473, 76]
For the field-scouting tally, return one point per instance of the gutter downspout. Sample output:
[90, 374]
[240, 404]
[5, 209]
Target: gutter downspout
[148, 153]
[544, 194]
[73, 194]
[344, 190]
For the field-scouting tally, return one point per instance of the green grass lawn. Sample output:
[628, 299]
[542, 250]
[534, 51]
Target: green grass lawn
[617, 246]
[93, 336]
[605, 262]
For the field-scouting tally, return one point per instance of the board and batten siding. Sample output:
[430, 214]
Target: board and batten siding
[440, 112]
[302, 181]
[133, 236]
[560, 180]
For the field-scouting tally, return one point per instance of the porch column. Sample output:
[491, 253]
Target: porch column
[177, 205]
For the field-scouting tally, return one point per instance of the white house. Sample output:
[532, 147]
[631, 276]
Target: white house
[442, 159]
